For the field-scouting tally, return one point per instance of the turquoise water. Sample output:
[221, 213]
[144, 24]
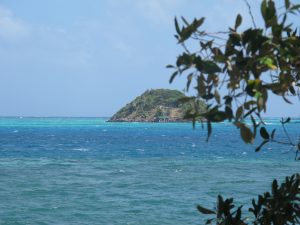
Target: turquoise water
[88, 171]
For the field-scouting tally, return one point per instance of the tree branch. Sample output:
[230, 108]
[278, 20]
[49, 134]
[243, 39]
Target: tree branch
[250, 12]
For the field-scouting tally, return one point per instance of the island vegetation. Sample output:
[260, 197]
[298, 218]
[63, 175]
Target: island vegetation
[158, 105]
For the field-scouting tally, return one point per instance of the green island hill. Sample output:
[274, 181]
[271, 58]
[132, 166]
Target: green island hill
[156, 105]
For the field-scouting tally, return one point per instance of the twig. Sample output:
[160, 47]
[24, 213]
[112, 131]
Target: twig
[185, 48]
[283, 143]
[250, 12]
[287, 135]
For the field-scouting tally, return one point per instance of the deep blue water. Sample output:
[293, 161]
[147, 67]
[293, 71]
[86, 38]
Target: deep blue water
[88, 171]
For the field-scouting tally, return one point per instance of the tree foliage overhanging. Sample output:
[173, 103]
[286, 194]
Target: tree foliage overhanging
[249, 65]
[280, 207]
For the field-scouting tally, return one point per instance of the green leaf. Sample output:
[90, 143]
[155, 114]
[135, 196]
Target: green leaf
[271, 10]
[170, 66]
[295, 7]
[210, 67]
[287, 4]
[198, 23]
[264, 133]
[189, 80]
[246, 134]
[263, 9]
[173, 76]
[184, 60]
[286, 100]
[218, 116]
[269, 62]
[186, 32]
[292, 90]
[286, 121]
[177, 26]
[257, 95]
[205, 210]
[253, 86]
[185, 21]
[238, 21]
[273, 133]
[268, 12]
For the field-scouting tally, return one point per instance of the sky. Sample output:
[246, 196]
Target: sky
[91, 57]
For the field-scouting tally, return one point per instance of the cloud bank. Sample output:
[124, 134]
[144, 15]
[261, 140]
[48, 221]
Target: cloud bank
[11, 28]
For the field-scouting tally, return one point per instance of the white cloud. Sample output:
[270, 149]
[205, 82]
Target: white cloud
[11, 28]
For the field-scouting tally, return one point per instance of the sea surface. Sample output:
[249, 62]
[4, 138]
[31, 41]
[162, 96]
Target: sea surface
[89, 171]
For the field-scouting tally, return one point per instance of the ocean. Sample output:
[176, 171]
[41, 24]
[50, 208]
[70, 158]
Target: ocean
[89, 171]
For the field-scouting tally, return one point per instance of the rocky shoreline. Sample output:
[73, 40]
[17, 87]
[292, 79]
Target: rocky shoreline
[149, 121]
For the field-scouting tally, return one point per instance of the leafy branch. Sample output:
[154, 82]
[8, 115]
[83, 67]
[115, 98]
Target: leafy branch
[251, 64]
[267, 137]
[281, 206]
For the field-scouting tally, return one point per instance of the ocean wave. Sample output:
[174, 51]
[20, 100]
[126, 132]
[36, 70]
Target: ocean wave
[81, 149]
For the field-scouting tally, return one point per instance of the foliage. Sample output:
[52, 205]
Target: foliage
[249, 65]
[280, 207]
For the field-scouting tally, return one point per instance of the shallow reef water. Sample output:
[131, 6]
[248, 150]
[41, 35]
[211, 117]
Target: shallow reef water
[88, 171]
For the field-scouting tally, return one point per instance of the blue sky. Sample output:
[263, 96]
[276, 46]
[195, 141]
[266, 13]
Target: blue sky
[89, 58]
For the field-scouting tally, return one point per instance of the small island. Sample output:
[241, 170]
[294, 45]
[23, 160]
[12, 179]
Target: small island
[155, 105]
